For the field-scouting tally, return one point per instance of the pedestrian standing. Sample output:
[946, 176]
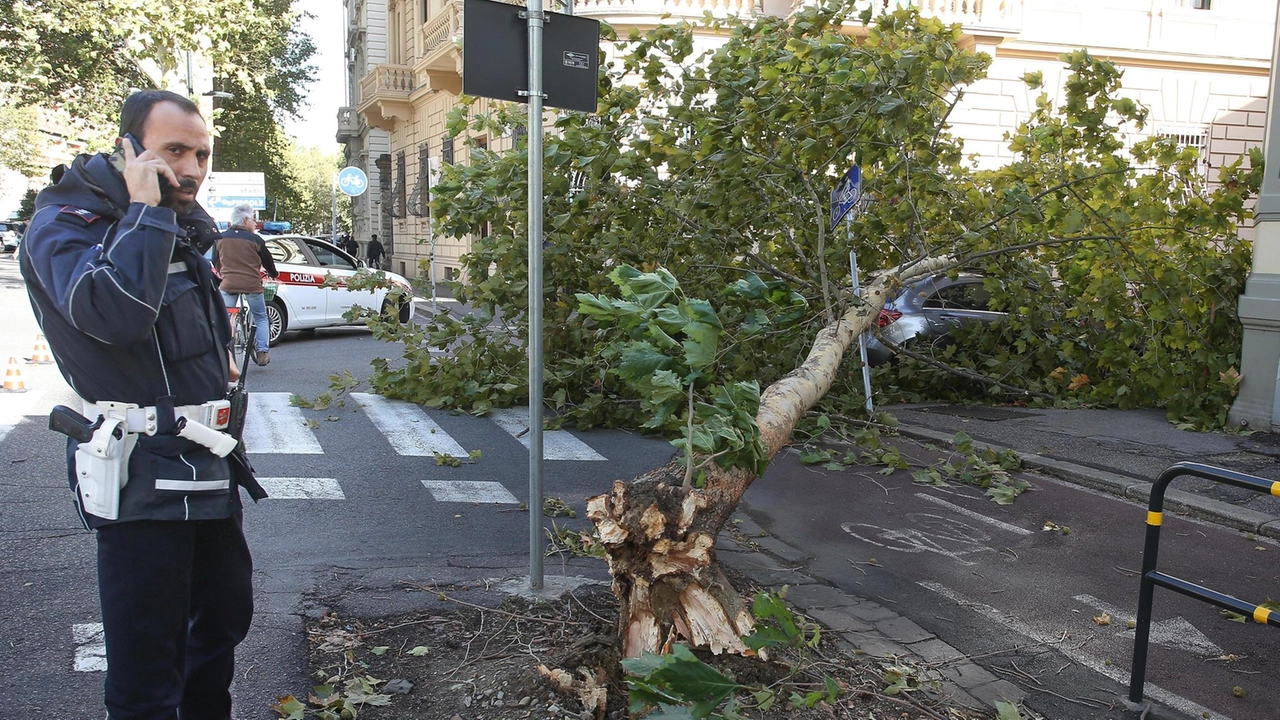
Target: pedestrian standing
[115, 274]
[374, 252]
[240, 257]
[351, 246]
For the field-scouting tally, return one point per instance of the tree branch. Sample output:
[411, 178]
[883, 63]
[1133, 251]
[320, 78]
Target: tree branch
[961, 372]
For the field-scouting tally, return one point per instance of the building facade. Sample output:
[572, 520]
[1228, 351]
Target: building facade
[1201, 66]
[367, 146]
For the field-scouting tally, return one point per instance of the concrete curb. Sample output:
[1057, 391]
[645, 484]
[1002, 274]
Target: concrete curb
[863, 626]
[1205, 508]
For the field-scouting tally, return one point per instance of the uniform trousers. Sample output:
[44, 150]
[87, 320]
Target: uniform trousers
[177, 597]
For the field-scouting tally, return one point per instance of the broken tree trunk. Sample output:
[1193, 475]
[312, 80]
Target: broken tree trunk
[660, 538]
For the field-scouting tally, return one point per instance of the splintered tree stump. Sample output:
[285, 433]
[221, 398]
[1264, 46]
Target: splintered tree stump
[660, 537]
[661, 546]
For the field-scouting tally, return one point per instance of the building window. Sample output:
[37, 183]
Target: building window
[1198, 139]
[446, 149]
[1200, 4]
[420, 200]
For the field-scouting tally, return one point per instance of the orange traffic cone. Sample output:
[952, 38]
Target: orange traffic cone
[40, 355]
[13, 377]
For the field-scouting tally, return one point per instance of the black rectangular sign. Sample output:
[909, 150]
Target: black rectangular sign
[495, 55]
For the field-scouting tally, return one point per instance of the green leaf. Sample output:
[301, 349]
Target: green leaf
[589, 304]
[289, 708]
[418, 651]
[376, 699]
[640, 360]
[1006, 710]
[701, 345]
[380, 650]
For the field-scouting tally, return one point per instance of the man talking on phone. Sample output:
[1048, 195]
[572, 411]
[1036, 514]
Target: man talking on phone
[114, 270]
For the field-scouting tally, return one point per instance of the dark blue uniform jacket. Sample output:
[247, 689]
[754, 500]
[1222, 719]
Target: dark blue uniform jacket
[125, 327]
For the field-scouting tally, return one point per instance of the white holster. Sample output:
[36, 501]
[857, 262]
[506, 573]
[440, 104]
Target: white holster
[102, 468]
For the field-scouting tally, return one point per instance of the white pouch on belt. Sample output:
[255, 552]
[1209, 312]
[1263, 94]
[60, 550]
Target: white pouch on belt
[102, 467]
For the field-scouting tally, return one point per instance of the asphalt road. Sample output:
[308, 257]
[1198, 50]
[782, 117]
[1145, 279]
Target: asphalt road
[1027, 602]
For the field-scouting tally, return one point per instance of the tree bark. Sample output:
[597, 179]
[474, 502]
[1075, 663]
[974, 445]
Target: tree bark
[660, 538]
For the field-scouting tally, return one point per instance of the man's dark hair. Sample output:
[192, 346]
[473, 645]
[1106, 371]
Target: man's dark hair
[374, 236]
[137, 108]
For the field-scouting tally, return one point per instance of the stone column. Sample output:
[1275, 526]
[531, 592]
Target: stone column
[1257, 404]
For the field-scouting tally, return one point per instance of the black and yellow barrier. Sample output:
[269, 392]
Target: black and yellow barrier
[1152, 577]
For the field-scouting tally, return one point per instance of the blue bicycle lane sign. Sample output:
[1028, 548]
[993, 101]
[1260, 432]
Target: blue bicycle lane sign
[352, 181]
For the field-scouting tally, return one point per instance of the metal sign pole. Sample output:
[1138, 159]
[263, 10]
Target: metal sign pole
[536, 19]
[862, 337]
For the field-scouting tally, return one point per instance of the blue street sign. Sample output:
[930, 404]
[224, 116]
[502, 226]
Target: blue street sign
[846, 195]
[229, 202]
[352, 181]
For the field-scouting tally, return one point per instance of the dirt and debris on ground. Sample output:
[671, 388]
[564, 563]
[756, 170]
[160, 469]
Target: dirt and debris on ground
[503, 658]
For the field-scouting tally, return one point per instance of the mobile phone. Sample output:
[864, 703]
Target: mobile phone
[117, 157]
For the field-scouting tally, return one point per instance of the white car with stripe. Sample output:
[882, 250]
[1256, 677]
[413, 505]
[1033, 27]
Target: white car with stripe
[302, 304]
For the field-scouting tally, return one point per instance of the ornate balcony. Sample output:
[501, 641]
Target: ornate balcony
[439, 50]
[635, 10]
[977, 17]
[348, 124]
[384, 95]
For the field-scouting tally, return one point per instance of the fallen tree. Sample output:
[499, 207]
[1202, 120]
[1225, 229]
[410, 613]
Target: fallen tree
[1117, 265]
[659, 532]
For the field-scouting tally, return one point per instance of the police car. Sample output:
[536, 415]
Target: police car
[302, 304]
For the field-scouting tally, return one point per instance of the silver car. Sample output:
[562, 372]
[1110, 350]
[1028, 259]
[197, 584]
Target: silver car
[926, 310]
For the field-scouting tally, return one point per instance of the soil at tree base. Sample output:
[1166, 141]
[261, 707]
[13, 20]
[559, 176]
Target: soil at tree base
[481, 663]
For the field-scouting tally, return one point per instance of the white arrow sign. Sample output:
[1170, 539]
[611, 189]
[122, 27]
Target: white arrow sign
[1174, 633]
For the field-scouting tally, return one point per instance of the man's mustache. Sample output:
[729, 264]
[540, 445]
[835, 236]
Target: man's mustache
[187, 184]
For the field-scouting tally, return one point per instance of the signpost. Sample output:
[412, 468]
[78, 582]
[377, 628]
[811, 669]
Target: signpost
[843, 200]
[847, 194]
[502, 61]
[223, 191]
[352, 182]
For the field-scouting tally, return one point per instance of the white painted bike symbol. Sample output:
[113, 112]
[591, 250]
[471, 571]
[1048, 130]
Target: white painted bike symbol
[351, 182]
[928, 533]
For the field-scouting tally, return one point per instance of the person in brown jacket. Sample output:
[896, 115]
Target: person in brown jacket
[240, 256]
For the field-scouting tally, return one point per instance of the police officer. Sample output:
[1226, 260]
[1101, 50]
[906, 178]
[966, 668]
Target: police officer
[113, 266]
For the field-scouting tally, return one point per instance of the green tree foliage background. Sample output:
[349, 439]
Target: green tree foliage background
[1119, 268]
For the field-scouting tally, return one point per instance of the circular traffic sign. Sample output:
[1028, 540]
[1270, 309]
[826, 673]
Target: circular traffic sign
[352, 181]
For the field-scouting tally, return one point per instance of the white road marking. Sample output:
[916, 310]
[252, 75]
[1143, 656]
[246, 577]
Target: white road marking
[556, 444]
[975, 515]
[91, 650]
[408, 428]
[1075, 653]
[302, 488]
[1175, 632]
[945, 536]
[470, 491]
[272, 425]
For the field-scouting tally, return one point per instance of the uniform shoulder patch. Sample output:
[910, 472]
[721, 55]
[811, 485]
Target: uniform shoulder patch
[77, 215]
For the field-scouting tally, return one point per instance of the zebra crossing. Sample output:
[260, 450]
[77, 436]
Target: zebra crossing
[277, 426]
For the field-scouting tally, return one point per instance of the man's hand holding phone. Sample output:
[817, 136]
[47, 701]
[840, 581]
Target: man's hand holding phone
[143, 172]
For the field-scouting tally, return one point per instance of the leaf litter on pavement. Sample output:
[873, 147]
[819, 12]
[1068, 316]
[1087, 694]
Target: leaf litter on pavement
[515, 659]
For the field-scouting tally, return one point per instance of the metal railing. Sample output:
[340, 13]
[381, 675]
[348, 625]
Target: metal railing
[1152, 577]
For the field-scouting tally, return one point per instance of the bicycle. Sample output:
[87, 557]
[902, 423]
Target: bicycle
[243, 331]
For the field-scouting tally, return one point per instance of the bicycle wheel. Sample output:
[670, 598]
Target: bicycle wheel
[240, 331]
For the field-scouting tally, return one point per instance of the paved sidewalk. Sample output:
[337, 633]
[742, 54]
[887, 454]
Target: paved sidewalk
[1119, 451]
[862, 625]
